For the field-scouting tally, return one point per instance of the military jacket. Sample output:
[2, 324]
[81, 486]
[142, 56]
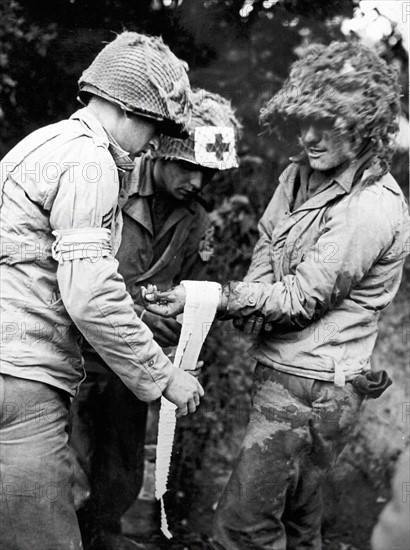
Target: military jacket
[322, 272]
[60, 225]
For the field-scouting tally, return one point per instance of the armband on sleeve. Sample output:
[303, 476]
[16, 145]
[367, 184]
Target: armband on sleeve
[74, 244]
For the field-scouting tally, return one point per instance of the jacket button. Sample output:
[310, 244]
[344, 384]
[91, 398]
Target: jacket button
[252, 301]
[151, 363]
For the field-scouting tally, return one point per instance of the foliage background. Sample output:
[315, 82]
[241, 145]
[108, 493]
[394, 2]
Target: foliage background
[243, 51]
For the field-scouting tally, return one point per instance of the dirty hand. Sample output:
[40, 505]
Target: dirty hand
[166, 331]
[184, 391]
[167, 304]
[252, 325]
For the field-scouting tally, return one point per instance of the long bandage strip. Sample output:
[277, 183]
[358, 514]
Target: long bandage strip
[202, 298]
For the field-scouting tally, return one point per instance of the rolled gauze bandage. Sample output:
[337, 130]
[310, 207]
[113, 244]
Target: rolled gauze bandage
[202, 298]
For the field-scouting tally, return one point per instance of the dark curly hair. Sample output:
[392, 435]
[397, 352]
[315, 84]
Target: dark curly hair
[347, 83]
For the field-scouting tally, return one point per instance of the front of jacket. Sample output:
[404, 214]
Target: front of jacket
[322, 272]
[59, 279]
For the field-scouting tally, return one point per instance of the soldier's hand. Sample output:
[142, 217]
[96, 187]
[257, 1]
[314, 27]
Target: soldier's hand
[166, 331]
[250, 325]
[197, 370]
[167, 304]
[184, 391]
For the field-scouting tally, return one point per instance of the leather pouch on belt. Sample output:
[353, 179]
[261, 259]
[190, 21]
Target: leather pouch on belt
[372, 384]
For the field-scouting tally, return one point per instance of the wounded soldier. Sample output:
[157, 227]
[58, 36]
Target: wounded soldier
[329, 260]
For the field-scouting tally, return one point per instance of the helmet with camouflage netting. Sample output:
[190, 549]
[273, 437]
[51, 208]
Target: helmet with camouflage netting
[348, 84]
[213, 132]
[141, 75]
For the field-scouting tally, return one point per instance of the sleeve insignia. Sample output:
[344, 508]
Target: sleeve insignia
[206, 245]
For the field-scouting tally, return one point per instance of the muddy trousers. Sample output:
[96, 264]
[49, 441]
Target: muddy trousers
[298, 427]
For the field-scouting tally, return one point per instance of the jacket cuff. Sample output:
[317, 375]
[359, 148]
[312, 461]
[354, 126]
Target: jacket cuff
[240, 299]
[161, 370]
[223, 304]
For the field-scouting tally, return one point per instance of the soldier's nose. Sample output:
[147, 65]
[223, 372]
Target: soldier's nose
[196, 181]
[311, 135]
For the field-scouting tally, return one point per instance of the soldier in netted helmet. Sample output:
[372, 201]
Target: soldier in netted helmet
[143, 77]
[330, 256]
[167, 237]
[61, 227]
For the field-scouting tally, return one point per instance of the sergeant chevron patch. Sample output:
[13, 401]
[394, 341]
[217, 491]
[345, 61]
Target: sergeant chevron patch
[107, 218]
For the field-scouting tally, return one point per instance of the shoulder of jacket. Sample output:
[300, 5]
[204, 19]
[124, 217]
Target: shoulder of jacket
[200, 215]
[371, 206]
[380, 195]
[77, 129]
[388, 182]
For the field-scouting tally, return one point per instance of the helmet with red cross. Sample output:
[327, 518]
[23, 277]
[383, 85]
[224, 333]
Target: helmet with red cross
[213, 134]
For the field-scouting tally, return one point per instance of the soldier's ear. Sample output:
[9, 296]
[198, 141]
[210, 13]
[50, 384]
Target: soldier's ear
[154, 143]
[156, 167]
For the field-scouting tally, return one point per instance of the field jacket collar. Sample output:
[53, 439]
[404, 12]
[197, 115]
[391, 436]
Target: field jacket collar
[121, 157]
[340, 184]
